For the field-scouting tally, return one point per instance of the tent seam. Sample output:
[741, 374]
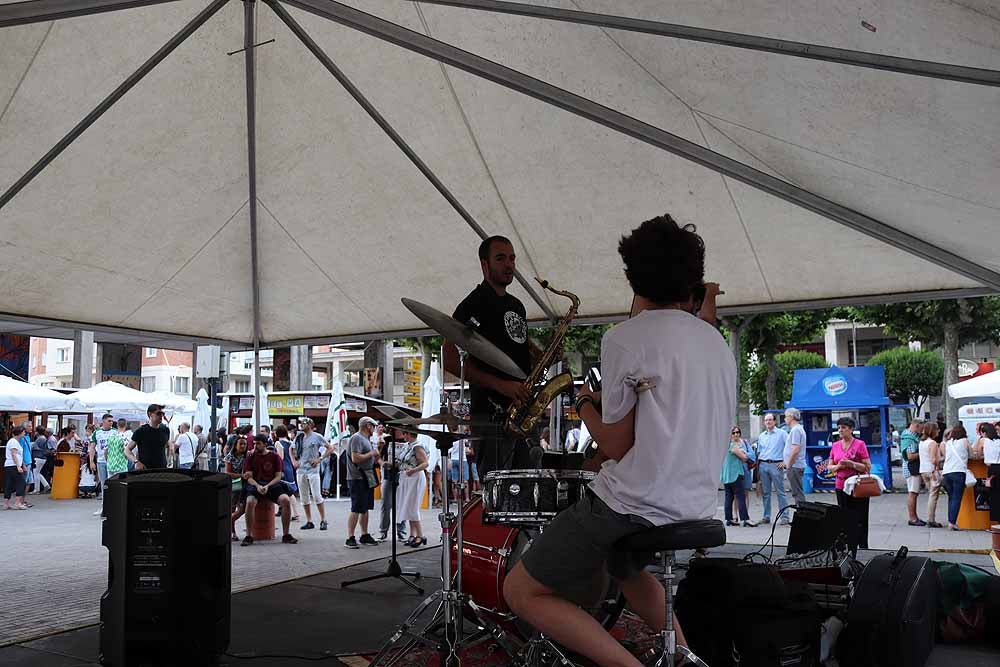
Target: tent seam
[694, 117]
[24, 75]
[316, 264]
[814, 151]
[482, 157]
[176, 273]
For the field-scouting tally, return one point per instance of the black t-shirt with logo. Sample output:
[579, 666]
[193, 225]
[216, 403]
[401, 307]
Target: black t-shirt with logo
[503, 322]
[151, 443]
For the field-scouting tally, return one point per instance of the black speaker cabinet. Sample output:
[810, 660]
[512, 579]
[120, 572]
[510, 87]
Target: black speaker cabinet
[816, 526]
[168, 596]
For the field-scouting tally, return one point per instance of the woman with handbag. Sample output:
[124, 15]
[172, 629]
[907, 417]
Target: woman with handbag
[955, 470]
[734, 475]
[849, 457]
[930, 469]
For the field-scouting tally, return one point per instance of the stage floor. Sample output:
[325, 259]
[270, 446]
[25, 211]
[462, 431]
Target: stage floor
[313, 618]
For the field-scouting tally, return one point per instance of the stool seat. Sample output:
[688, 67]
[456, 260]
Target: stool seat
[676, 536]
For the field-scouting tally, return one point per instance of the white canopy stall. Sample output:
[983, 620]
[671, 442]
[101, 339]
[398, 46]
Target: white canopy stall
[17, 396]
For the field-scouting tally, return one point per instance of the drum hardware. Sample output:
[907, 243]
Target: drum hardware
[453, 607]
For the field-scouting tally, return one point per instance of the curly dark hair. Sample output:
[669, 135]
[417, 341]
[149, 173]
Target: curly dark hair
[664, 262]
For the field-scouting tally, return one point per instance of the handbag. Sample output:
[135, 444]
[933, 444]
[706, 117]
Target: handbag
[866, 487]
[372, 480]
[970, 479]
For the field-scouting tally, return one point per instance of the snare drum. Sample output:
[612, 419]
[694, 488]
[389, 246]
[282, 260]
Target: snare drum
[531, 497]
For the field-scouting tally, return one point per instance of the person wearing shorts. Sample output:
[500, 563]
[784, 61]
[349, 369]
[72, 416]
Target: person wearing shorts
[310, 451]
[361, 460]
[668, 394]
[262, 479]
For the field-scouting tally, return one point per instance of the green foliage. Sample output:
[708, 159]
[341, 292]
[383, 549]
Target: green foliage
[978, 319]
[432, 344]
[910, 376]
[581, 342]
[787, 363]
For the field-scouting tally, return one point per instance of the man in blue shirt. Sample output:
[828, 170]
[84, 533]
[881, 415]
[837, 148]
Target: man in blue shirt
[795, 454]
[771, 458]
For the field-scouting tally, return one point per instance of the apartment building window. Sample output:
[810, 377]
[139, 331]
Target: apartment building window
[181, 385]
[243, 386]
[149, 384]
[63, 354]
[352, 378]
[248, 364]
[319, 387]
[397, 376]
[151, 352]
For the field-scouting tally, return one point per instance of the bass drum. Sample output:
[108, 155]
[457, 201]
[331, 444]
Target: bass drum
[492, 551]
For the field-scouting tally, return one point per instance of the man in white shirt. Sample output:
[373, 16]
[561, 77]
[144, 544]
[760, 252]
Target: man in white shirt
[185, 446]
[668, 400]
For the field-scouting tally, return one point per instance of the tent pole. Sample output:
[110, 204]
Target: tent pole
[249, 6]
[654, 136]
[110, 100]
[391, 132]
[974, 75]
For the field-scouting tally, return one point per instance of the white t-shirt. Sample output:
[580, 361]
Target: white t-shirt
[101, 438]
[671, 473]
[991, 451]
[956, 456]
[13, 445]
[186, 443]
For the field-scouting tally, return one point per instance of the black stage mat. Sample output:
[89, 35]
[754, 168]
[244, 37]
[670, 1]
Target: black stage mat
[314, 618]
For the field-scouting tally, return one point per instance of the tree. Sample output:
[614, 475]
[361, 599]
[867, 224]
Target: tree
[765, 333]
[580, 343]
[429, 348]
[911, 376]
[947, 325]
[785, 363]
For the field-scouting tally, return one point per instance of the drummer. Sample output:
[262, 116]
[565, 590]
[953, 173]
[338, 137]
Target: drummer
[499, 317]
[659, 436]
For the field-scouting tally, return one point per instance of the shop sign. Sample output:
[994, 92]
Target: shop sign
[316, 401]
[246, 403]
[284, 405]
[356, 405]
[967, 368]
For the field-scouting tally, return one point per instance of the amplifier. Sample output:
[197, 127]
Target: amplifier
[815, 527]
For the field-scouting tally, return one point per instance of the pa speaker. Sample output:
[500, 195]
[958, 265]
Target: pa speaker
[169, 578]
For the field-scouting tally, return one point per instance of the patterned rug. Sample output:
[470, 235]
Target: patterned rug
[630, 631]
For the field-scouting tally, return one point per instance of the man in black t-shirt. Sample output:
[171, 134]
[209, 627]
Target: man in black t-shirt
[500, 317]
[151, 440]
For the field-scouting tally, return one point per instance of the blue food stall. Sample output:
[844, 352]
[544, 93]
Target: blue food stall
[824, 395]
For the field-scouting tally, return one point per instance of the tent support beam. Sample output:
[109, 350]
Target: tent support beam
[654, 136]
[397, 139]
[110, 100]
[249, 53]
[984, 77]
[37, 11]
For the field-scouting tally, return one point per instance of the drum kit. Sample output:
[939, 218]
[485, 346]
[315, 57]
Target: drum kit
[488, 535]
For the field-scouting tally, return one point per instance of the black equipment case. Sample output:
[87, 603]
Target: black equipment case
[892, 618]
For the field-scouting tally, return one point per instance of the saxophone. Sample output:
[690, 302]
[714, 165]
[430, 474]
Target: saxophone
[522, 417]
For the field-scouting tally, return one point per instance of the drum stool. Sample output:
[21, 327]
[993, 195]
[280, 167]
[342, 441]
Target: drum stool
[666, 540]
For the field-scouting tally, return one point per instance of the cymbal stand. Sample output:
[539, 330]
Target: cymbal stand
[444, 631]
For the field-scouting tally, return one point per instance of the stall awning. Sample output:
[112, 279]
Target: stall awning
[839, 388]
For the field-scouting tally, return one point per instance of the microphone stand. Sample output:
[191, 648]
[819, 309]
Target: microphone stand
[392, 570]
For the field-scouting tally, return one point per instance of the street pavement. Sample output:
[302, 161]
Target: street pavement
[56, 568]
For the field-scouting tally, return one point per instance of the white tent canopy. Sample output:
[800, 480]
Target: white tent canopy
[23, 396]
[982, 385]
[117, 398]
[812, 180]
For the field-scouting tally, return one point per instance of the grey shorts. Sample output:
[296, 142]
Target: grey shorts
[578, 544]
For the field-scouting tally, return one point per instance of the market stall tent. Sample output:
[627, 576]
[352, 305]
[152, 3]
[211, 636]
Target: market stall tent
[826, 153]
[17, 396]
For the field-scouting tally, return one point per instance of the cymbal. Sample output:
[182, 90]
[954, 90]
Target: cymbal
[440, 419]
[441, 435]
[465, 337]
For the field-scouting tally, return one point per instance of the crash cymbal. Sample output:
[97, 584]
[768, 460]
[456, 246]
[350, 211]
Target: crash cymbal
[465, 337]
[440, 419]
[441, 436]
